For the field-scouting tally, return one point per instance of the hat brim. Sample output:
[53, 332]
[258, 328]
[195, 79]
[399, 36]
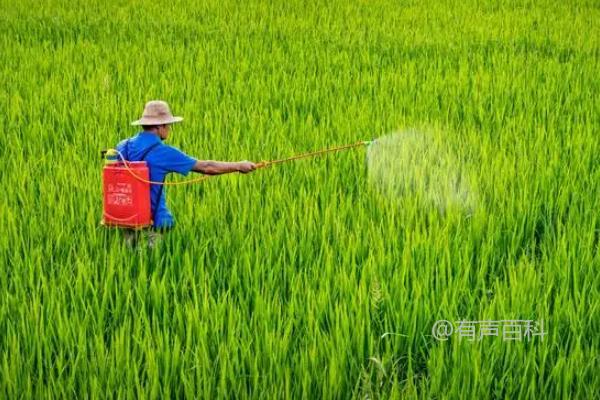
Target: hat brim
[157, 121]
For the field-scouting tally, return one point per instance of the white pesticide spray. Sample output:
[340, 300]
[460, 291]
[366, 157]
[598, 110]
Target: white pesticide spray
[421, 165]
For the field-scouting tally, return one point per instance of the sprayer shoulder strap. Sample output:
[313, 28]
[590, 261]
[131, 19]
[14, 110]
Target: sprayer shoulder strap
[160, 190]
[148, 150]
[127, 149]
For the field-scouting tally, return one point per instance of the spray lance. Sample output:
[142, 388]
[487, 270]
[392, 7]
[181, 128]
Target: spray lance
[126, 185]
[263, 164]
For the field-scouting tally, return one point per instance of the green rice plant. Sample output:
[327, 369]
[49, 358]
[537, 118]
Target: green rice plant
[304, 280]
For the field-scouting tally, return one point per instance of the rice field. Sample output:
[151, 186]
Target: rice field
[322, 278]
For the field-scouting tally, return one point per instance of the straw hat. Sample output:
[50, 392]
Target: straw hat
[157, 112]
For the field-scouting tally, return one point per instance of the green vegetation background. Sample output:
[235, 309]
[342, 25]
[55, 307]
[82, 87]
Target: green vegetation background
[281, 283]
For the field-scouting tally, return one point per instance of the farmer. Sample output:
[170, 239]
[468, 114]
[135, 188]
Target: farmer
[162, 159]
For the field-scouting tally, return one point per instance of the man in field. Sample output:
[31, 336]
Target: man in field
[162, 159]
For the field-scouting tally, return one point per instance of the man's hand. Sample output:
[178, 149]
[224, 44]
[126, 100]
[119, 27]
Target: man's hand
[246, 166]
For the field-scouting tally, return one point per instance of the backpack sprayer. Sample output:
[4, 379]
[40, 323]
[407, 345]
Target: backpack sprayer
[126, 186]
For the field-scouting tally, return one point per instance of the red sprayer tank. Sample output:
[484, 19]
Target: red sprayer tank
[126, 200]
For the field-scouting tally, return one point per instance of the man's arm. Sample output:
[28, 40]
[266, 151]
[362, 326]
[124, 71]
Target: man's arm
[210, 167]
